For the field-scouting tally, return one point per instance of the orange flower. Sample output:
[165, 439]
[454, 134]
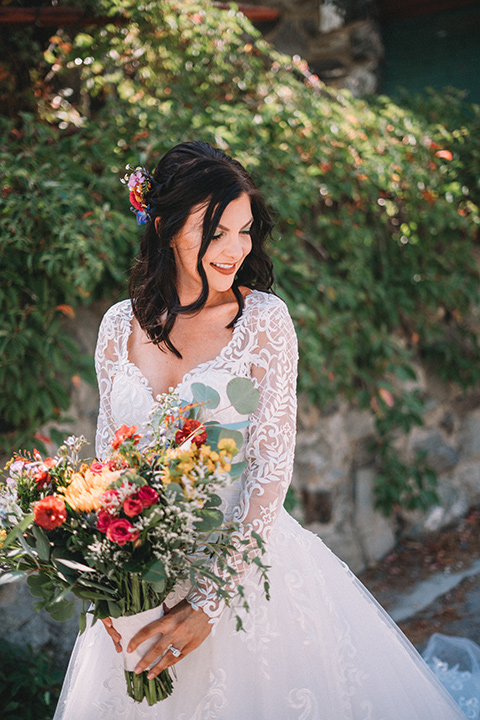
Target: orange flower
[124, 433]
[50, 512]
[84, 493]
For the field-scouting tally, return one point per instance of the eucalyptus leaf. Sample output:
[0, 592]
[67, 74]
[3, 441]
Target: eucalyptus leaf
[205, 395]
[61, 610]
[217, 433]
[243, 395]
[237, 469]
[209, 520]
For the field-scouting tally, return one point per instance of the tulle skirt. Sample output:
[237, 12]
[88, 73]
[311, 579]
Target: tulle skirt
[321, 649]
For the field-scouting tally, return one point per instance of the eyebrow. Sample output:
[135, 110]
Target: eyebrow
[249, 222]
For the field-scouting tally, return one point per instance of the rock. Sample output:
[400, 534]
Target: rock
[25, 626]
[469, 436]
[440, 455]
[375, 531]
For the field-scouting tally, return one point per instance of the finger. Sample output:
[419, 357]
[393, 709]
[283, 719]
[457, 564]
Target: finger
[114, 634]
[153, 628]
[168, 660]
[155, 653]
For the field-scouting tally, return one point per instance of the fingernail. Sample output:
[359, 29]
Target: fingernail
[150, 676]
[129, 649]
[138, 670]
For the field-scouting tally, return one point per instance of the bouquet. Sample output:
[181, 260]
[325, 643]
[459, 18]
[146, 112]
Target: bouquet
[120, 533]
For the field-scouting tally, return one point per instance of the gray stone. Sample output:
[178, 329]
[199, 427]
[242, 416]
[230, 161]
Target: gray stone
[362, 80]
[23, 625]
[375, 531]
[290, 38]
[365, 41]
[469, 436]
[440, 455]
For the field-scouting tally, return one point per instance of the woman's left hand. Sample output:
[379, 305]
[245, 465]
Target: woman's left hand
[183, 627]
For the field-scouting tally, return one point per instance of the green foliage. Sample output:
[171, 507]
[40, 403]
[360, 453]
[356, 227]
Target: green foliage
[29, 683]
[376, 203]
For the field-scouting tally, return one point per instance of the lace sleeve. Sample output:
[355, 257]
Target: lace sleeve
[270, 446]
[106, 366]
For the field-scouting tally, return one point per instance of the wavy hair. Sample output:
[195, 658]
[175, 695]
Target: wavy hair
[189, 175]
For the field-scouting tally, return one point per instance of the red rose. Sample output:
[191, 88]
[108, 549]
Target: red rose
[147, 496]
[124, 433]
[104, 519]
[120, 531]
[134, 538]
[192, 429]
[132, 506]
[50, 512]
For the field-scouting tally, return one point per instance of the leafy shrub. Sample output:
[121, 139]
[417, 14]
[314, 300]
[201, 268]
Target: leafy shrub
[376, 216]
[29, 683]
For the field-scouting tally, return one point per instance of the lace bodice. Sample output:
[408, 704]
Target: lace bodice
[263, 347]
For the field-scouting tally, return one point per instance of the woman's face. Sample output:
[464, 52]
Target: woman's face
[225, 254]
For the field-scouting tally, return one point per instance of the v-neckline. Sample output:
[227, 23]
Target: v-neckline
[144, 380]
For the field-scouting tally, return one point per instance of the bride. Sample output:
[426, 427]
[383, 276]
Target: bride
[202, 310]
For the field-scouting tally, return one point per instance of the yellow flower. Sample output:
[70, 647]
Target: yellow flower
[3, 536]
[229, 445]
[86, 488]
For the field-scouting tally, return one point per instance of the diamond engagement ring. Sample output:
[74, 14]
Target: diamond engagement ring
[175, 651]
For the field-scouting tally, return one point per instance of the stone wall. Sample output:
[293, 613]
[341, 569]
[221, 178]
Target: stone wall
[340, 39]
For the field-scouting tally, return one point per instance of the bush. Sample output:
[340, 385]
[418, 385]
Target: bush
[29, 683]
[376, 214]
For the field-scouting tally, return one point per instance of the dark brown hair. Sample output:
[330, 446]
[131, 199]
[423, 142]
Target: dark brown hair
[189, 175]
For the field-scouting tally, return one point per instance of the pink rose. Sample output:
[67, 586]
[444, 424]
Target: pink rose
[97, 467]
[104, 519]
[147, 496]
[132, 506]
[120, 531]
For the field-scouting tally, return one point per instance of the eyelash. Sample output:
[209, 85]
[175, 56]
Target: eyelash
[242, 232]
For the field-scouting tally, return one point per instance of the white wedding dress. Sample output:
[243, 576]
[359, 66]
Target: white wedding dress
[321, 648]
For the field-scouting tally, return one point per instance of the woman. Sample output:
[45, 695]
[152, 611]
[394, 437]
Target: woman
[202, 311]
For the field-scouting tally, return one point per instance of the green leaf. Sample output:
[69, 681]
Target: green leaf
[60, 610]
[155, 572]
[210, 520]
[205, 395]
[42, 543]
[215, 433]
[243, 395]
[74, 565]
[20, 528]
[40, 584]
[237, 469]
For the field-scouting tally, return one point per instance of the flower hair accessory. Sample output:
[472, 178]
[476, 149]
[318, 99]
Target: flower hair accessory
[139, 182]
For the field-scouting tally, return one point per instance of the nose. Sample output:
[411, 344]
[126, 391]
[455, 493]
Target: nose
[240, 245]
